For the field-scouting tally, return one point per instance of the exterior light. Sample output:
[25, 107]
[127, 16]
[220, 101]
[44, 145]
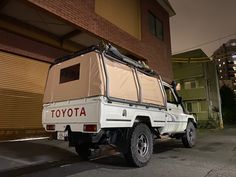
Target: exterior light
[218, 59]
[219, 65]
[233, 44]
[90, 127]
[50, 127]
[234, 56]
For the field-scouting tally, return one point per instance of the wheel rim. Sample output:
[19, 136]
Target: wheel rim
[142, 145]
[191, 135]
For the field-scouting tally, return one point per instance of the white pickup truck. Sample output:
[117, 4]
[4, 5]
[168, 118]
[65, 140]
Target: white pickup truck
[99, 96]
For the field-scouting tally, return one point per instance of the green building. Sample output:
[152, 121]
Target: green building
[197, 76]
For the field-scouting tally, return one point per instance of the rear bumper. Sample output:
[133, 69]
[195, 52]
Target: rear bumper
[74, 127]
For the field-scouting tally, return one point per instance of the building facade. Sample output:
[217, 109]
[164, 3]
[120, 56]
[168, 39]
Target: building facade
[199, 87]
[225, 60]
[35, 32]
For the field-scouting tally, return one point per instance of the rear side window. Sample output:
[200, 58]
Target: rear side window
[70, 73]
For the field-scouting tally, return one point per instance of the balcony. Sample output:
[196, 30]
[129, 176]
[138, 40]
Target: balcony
[193, 94]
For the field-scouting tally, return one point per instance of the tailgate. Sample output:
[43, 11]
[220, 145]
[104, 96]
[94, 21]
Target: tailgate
[73, 113]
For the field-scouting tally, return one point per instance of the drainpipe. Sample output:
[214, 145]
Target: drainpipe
[204, 65]
[219, 99]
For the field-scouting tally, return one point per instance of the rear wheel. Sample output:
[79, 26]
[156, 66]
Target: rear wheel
[189, 138]
[83, 150]
[140, 146]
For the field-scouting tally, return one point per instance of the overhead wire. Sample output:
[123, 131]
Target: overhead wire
[206, 43]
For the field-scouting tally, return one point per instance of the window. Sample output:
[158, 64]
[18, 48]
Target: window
[170, 96]
[155, 26]
[70, 73]
[192, 107]
[190, 84]
[189, 106]
[203, 106]
[196, 106]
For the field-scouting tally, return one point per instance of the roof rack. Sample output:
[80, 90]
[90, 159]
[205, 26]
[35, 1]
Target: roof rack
[111, 51]
[75, 54]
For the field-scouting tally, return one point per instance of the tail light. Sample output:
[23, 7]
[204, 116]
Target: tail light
[50, 127]
[90, 128]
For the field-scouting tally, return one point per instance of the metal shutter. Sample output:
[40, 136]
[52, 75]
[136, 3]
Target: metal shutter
[22, 82]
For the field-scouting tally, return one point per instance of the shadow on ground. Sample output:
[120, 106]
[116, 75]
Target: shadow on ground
[48, 157]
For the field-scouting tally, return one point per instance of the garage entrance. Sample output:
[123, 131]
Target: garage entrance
[22, 82]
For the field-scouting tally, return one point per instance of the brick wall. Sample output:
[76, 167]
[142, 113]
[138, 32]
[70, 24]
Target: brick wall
[156, 50]
[81, 13]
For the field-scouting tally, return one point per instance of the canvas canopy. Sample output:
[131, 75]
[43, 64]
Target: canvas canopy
[84, 76]
[89, 83]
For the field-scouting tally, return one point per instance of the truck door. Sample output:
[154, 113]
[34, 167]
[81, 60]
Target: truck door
[174, 110]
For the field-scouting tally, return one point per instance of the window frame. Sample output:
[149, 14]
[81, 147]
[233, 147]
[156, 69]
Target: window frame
[172, 93]
[65, 71]
[190, 82]
[155, 31]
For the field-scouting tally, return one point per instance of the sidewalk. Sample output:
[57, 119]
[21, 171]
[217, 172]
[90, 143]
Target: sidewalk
[18, 158]
[15, 155]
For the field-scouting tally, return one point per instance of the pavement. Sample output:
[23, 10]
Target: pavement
[213, 156]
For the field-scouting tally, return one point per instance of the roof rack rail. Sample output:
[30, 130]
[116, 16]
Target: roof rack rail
[114, 52]
[75, 54]
[111, 51]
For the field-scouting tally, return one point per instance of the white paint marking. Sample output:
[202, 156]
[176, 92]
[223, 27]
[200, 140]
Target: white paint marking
[24, 139]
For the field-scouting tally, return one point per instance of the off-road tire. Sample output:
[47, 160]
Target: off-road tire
[139, 152]
[189, 138]
[83, 150]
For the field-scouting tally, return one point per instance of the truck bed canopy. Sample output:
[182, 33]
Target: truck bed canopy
[95, 74]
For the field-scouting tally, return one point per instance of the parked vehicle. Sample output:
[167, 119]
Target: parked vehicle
[99, 96]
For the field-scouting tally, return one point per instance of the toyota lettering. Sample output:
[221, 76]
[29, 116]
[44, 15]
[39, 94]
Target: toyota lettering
[68, 112]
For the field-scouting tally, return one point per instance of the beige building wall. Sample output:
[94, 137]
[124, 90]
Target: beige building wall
[122, 13]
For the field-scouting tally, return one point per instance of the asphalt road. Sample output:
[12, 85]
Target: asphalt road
[213, 156]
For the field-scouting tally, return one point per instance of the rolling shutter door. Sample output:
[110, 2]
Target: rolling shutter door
[22, 82]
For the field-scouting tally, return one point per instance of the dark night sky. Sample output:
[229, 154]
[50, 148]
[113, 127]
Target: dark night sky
[205, 24]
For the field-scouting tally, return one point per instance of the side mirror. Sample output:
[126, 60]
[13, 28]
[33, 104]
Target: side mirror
[178, 87]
